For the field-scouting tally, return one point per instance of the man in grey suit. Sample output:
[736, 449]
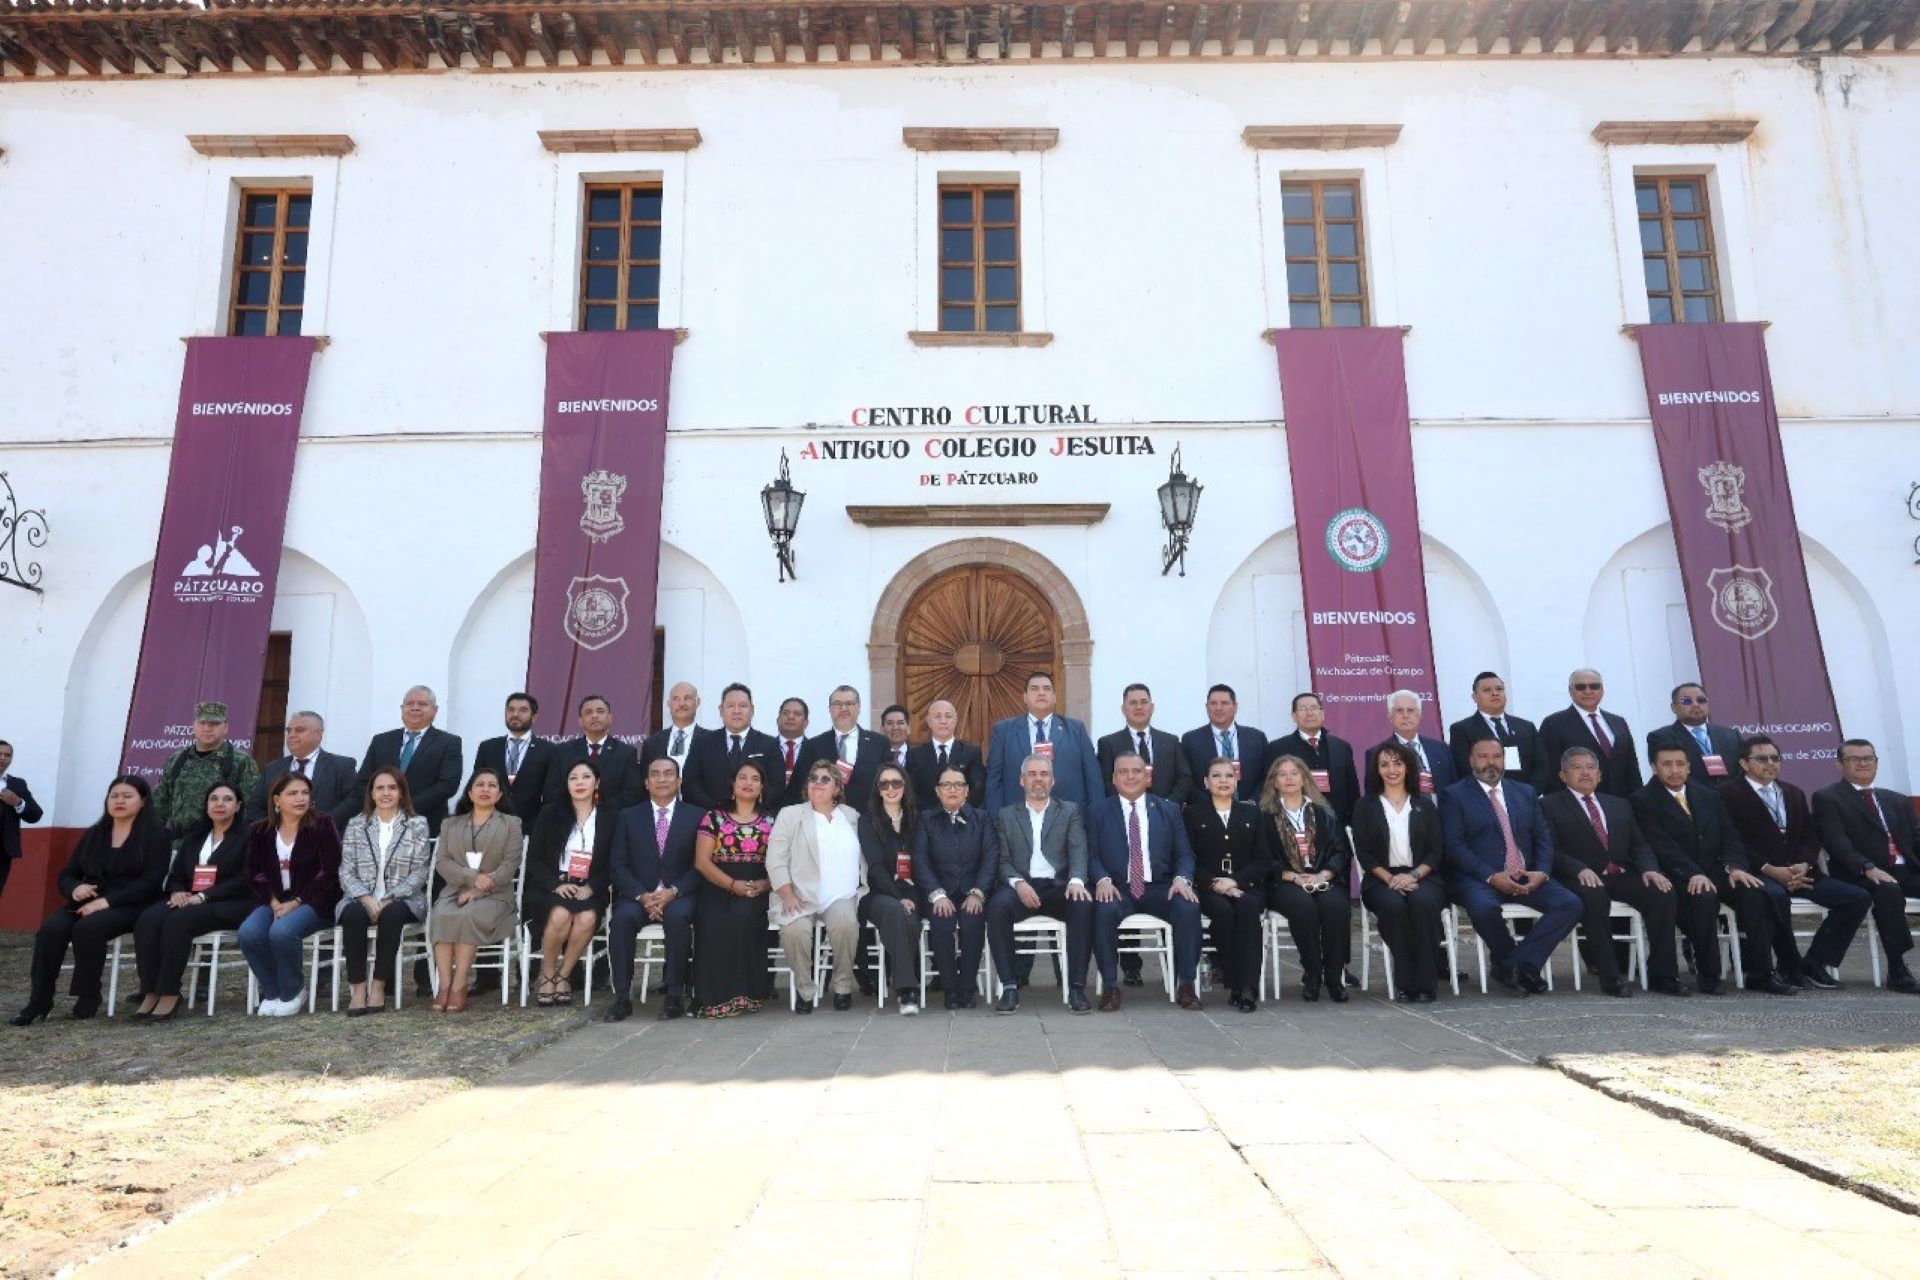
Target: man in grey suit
[1064, 742]
[332, 775]
[1043, 871]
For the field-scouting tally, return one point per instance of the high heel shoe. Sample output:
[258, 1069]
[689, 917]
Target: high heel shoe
[457, 1003]
[30, 1015]
[163, 1017]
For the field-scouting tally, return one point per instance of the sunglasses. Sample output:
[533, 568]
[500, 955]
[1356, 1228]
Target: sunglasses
[892, 784]
[1588, 688]
[1700, 701]
[820, 780]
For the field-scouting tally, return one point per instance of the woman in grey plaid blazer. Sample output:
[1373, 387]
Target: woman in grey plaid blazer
[386, 858]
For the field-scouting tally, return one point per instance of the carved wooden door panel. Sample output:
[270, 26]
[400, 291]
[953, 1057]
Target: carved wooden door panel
[972, 636]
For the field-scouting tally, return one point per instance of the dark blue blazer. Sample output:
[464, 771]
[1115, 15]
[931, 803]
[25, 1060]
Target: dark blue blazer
[637, 865]
[955, 856]
[1202, 745]
[1474, 845]
[1076, 763]
[1169, 852]
[1439, 764]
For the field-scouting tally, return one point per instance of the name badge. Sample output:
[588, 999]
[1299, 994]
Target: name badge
[1513, 759]
[1716, 767]
[579, 863]
[903, 866]
[1236, 771]
[1044, 750]
[1149, 775]
[1323, 780]
[473, 859]
[845, 770]
[203, 878]
[1426, 784]
[1306, 850]
[1893, 851]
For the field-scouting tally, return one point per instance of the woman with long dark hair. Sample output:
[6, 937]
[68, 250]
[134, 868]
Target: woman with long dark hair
[569, 867]
[730, 915]
[293, 864]
[478, 859]
[113, 874]
[205, 891]
[1397, 837]
[386, 858]
[892, 905]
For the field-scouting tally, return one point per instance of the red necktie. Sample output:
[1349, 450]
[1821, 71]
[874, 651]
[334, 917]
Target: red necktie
[789, 755]
[1593, 817]
[593, 752]
[1515, 864]
[300, 768]
[1136, 856]
[1600, 735]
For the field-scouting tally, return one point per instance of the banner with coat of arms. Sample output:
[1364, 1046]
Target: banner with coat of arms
[597, 560]
[1754, 631]
[1362, 577]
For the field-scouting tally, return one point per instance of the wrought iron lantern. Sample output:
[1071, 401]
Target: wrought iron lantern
[782, 502]
[1179, 501]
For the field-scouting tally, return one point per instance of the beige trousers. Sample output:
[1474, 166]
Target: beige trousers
[843, 931]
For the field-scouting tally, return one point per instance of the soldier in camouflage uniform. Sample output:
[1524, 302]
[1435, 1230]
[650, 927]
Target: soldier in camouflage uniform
[181, 796]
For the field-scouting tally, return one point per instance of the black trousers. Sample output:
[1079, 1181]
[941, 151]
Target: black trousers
[163, 939]
[1320, 924]
[354, 924]
[1890, 909]
[623, 943]
[1004, 910]
[959, 964]
[1410, 925]
[89, 937]
[1233, 927]
[1596, 924]
[1847, 907]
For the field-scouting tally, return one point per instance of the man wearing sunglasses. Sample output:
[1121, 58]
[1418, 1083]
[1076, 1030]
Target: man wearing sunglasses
[1585, 726]
[1868, 834]
[1712, 749]
[1776, 826]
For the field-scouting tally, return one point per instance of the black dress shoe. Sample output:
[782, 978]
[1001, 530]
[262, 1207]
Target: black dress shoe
[1310, 988]
[84, 1009]
[804, 1007]
[1712, 987]
[1772, 985]
[1132, 979]
[842, 1003]
[1347, 979]
[1110, 1000]
[866, 985]
[949, 1001]
[29, 1015]
[1532, 983]
[1338, 993]
[1901, 979]
[1618, 987]
[1425, 997]
[1670, 987]
[966, 1001]
[619, 1011]
[1077, 1001]
[1246, 1004]
[1508, 977]
[1009, 1001]
[1814, 975]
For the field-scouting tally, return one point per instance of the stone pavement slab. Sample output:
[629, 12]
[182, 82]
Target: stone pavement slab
[1363, 1140]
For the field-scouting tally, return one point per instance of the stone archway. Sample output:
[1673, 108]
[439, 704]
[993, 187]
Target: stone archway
[1075, 641]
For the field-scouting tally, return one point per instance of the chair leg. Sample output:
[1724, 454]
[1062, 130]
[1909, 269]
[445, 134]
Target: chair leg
[1366, 956]
[113, 979]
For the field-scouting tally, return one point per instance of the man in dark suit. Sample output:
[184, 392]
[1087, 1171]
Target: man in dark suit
[1329, 759]
[1687, 825]
[1043, 871]
[1222, 737]
[856, 752]
[1499, 850]
[712, 759]
[621, 781]
[17, 806]
[675, 741]
[1605, 734]
[1868, 834]
[330, 775]
[789, 773]
[1519, 739]
[1169, 775]
[1601, 855]
[1776, 828]
[653, 883]
[429, 757]
[1711, 748]
[894, 726]
[1436, 762]
[942, 750]
[1142, 864]
[1076, 764]
[520, 756]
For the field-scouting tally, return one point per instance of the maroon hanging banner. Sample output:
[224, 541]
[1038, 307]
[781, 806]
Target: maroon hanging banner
[603, 455]
[1754, 632]
[1362, 576]
[210, 607]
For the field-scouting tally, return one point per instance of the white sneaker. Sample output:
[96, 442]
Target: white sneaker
[268, 1009]
[290, 1007]
[909, 1006]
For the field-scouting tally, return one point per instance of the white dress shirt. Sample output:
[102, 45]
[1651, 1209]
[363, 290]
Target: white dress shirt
[386, 832]
[1399, 832]
[1037, 866]
[1127, 809]
[839, 858]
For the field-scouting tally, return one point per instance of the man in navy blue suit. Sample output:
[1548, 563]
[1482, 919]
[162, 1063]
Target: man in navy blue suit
[653, 883]
[1222, 737]
[1142, 864]
[1436, 762]
[1499, 850]
[1076, 768]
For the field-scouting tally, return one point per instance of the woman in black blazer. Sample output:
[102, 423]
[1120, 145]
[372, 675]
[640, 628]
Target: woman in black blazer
[1310, 866]
[1397, 837]
[206, 891]
[1232, 859]
[569, 868]
[892, 904]
[111, 877]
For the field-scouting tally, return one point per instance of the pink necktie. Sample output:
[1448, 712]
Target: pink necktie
[1600, 735]
[1515, 863]
[661, 818]
[1136, 856]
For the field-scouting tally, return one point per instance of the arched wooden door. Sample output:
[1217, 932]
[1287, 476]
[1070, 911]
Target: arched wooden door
[972, 636]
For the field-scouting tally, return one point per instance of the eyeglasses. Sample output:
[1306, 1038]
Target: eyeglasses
[1859, 759]
[891, 784]
[951, 786]
[1700, 701]
[843, 703]
[1768, 759]
[819, 780]
[1595, 687]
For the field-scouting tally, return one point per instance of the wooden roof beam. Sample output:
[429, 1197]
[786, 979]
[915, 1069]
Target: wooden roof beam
[1360, 28]
[842, 34]
[1327, 13]
[1197, 31]
[1164, 44]
[1792, 19]
[19, 55]
[307, 41]
[1263, 29]
[1517, 23]
[1102, 29]
[776, 35]
[1069, 37]
[1392, 22]
[1297, 28]
[1420, 29]
[1883, 25]
[1823, 24]
[610, 37]
[43, 49]
[511, 37]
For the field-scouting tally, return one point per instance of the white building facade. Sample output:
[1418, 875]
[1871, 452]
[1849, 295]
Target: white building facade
[798, 253]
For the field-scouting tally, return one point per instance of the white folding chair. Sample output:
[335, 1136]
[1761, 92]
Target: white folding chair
[1369, 941]
[205, 955]
[414, 947]
[1273, 929]
[326, 948]
[501, 955]
[982, 980]
[777, 965]
[650, 949]
[1144, 935]
[1636, 940]
[1510, 913]
[1039, 936]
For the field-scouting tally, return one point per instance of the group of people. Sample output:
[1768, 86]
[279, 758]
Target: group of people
[724, 836]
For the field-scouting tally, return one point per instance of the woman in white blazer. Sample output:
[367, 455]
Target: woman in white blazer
[817, 872]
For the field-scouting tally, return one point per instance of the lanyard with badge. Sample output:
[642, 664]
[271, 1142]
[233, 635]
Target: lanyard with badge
[579, 853]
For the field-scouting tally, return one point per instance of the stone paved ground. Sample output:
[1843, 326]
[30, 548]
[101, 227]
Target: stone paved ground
[1365, 1140]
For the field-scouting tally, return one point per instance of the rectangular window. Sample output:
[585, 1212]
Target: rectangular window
[270, 723]
[1676, 250]
[980, 258]
[1326, 254]
[270, 262]
[620, 257]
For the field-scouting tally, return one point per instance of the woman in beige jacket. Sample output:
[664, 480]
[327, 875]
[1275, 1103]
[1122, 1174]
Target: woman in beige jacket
[817, 872]
[479, 855]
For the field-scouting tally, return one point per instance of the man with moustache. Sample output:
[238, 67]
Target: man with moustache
[675, 741]
[520, 756]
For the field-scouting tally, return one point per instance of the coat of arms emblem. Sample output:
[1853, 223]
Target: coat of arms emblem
[1357, 540]
[602, 489]
[1743, 601]
[1724, 484]
[596, 611]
